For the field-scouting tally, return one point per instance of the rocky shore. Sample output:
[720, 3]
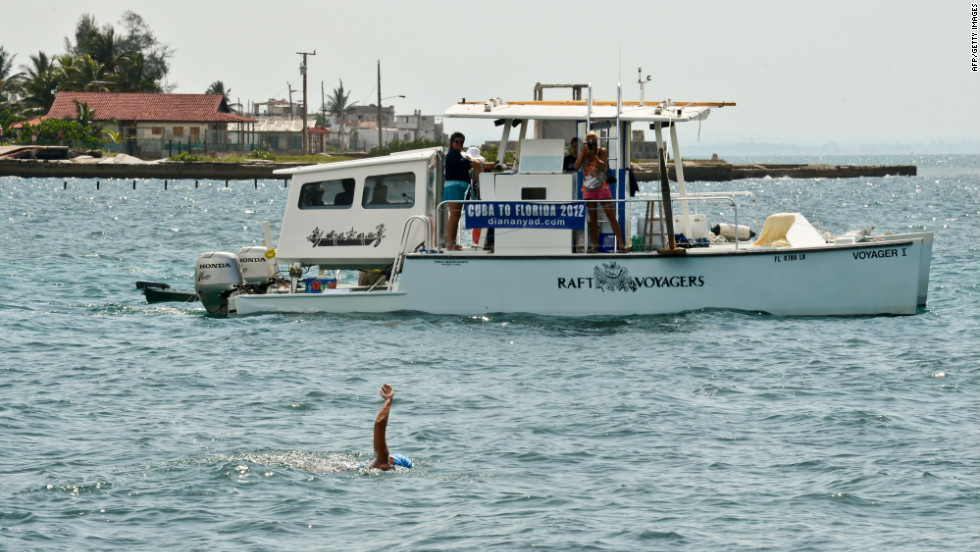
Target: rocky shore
[53, 162]
[171, 171]
[718, 171]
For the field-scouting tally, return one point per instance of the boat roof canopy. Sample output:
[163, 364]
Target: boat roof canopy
[395, 157]
[663, 112]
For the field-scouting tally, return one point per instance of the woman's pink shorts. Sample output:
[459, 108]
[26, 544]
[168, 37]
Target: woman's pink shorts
[602, 193]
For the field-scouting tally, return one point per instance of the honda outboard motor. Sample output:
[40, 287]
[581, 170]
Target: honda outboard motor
[217, 278]
[257, 271]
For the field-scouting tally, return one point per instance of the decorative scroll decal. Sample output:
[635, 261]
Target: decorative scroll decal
[351, 237]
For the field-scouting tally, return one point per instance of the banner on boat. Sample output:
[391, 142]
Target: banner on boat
[522, 214]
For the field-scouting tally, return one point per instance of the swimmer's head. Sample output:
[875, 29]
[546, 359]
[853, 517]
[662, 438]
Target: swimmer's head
[399, 460]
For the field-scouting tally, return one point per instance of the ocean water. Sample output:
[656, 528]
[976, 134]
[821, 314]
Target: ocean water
[129, 426]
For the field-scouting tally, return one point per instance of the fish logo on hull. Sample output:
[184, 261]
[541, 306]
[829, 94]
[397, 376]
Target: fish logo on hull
[613, 277]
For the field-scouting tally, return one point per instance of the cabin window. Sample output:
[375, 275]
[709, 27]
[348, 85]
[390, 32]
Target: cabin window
[389, 191]
[178, 131]
[156, 131]
[195, 131]
[534, 193]
[329, 194]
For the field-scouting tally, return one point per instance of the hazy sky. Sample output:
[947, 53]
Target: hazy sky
[800, 71]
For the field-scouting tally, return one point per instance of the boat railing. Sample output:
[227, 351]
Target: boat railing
[726, 195]
[653, 207]
[699, 197]
[427, 243]
[652, 201]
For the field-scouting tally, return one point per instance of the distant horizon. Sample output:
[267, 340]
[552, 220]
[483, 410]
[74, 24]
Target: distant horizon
[869, 146]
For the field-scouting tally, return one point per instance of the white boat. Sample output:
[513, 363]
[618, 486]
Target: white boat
[382, 215]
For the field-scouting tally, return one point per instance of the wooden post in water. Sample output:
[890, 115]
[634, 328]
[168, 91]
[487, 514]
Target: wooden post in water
[134, 184]
[164, 184]
[66, 185]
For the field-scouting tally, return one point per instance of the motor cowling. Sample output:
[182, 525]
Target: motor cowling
[256, 269]
[217, 278]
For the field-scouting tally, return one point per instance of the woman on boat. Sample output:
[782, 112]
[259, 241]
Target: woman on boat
[382, 459]
[592, 162]
[457, 180]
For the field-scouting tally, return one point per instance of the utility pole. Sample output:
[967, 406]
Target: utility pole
[379, 106]
[302, 69]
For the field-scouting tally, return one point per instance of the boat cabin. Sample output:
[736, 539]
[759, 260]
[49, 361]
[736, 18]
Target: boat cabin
[351, 215]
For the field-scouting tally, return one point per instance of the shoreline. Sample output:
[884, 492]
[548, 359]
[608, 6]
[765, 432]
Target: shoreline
[694, 171]
[721, 171]
[170, 171]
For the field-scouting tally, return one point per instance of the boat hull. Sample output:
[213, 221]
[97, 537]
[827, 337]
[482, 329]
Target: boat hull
[859, 279]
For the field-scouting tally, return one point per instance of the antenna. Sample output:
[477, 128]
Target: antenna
[641, 82]
[619, 64]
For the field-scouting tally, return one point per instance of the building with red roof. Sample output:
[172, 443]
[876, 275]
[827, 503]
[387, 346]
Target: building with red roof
[154, 125]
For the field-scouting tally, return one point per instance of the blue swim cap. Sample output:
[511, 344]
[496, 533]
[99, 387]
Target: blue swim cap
[401, 461]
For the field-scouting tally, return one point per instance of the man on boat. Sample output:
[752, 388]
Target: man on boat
[382, 459]
[568, 164]
[345, 197]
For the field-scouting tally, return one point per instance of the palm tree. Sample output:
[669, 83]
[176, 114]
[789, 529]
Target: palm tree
[40, 83]
[133, 74]
[337, 105]
[8, 80]
[218, 87]
[102, 47]
[86, 75]
[85, 115]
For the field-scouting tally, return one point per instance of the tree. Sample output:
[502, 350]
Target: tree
[8, 79]
[139, 38]
[133, 75]
[218, 87]
[86, 24]
[101, 46]
[86, 75]
[133, 60]
[96, 60]
[40, 84]
[337, 105]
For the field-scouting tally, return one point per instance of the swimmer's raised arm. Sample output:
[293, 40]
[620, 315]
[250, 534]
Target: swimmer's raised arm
[382, 460]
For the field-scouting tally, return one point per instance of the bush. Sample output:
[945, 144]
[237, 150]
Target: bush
[189, 157]
[72, 134]
[491, 155]
[257, 154]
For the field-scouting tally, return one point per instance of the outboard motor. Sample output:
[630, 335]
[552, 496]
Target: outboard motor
[257, 271]
[217, 278]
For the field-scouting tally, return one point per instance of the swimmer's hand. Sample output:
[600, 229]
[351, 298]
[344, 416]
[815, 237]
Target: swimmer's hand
[387, 393]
